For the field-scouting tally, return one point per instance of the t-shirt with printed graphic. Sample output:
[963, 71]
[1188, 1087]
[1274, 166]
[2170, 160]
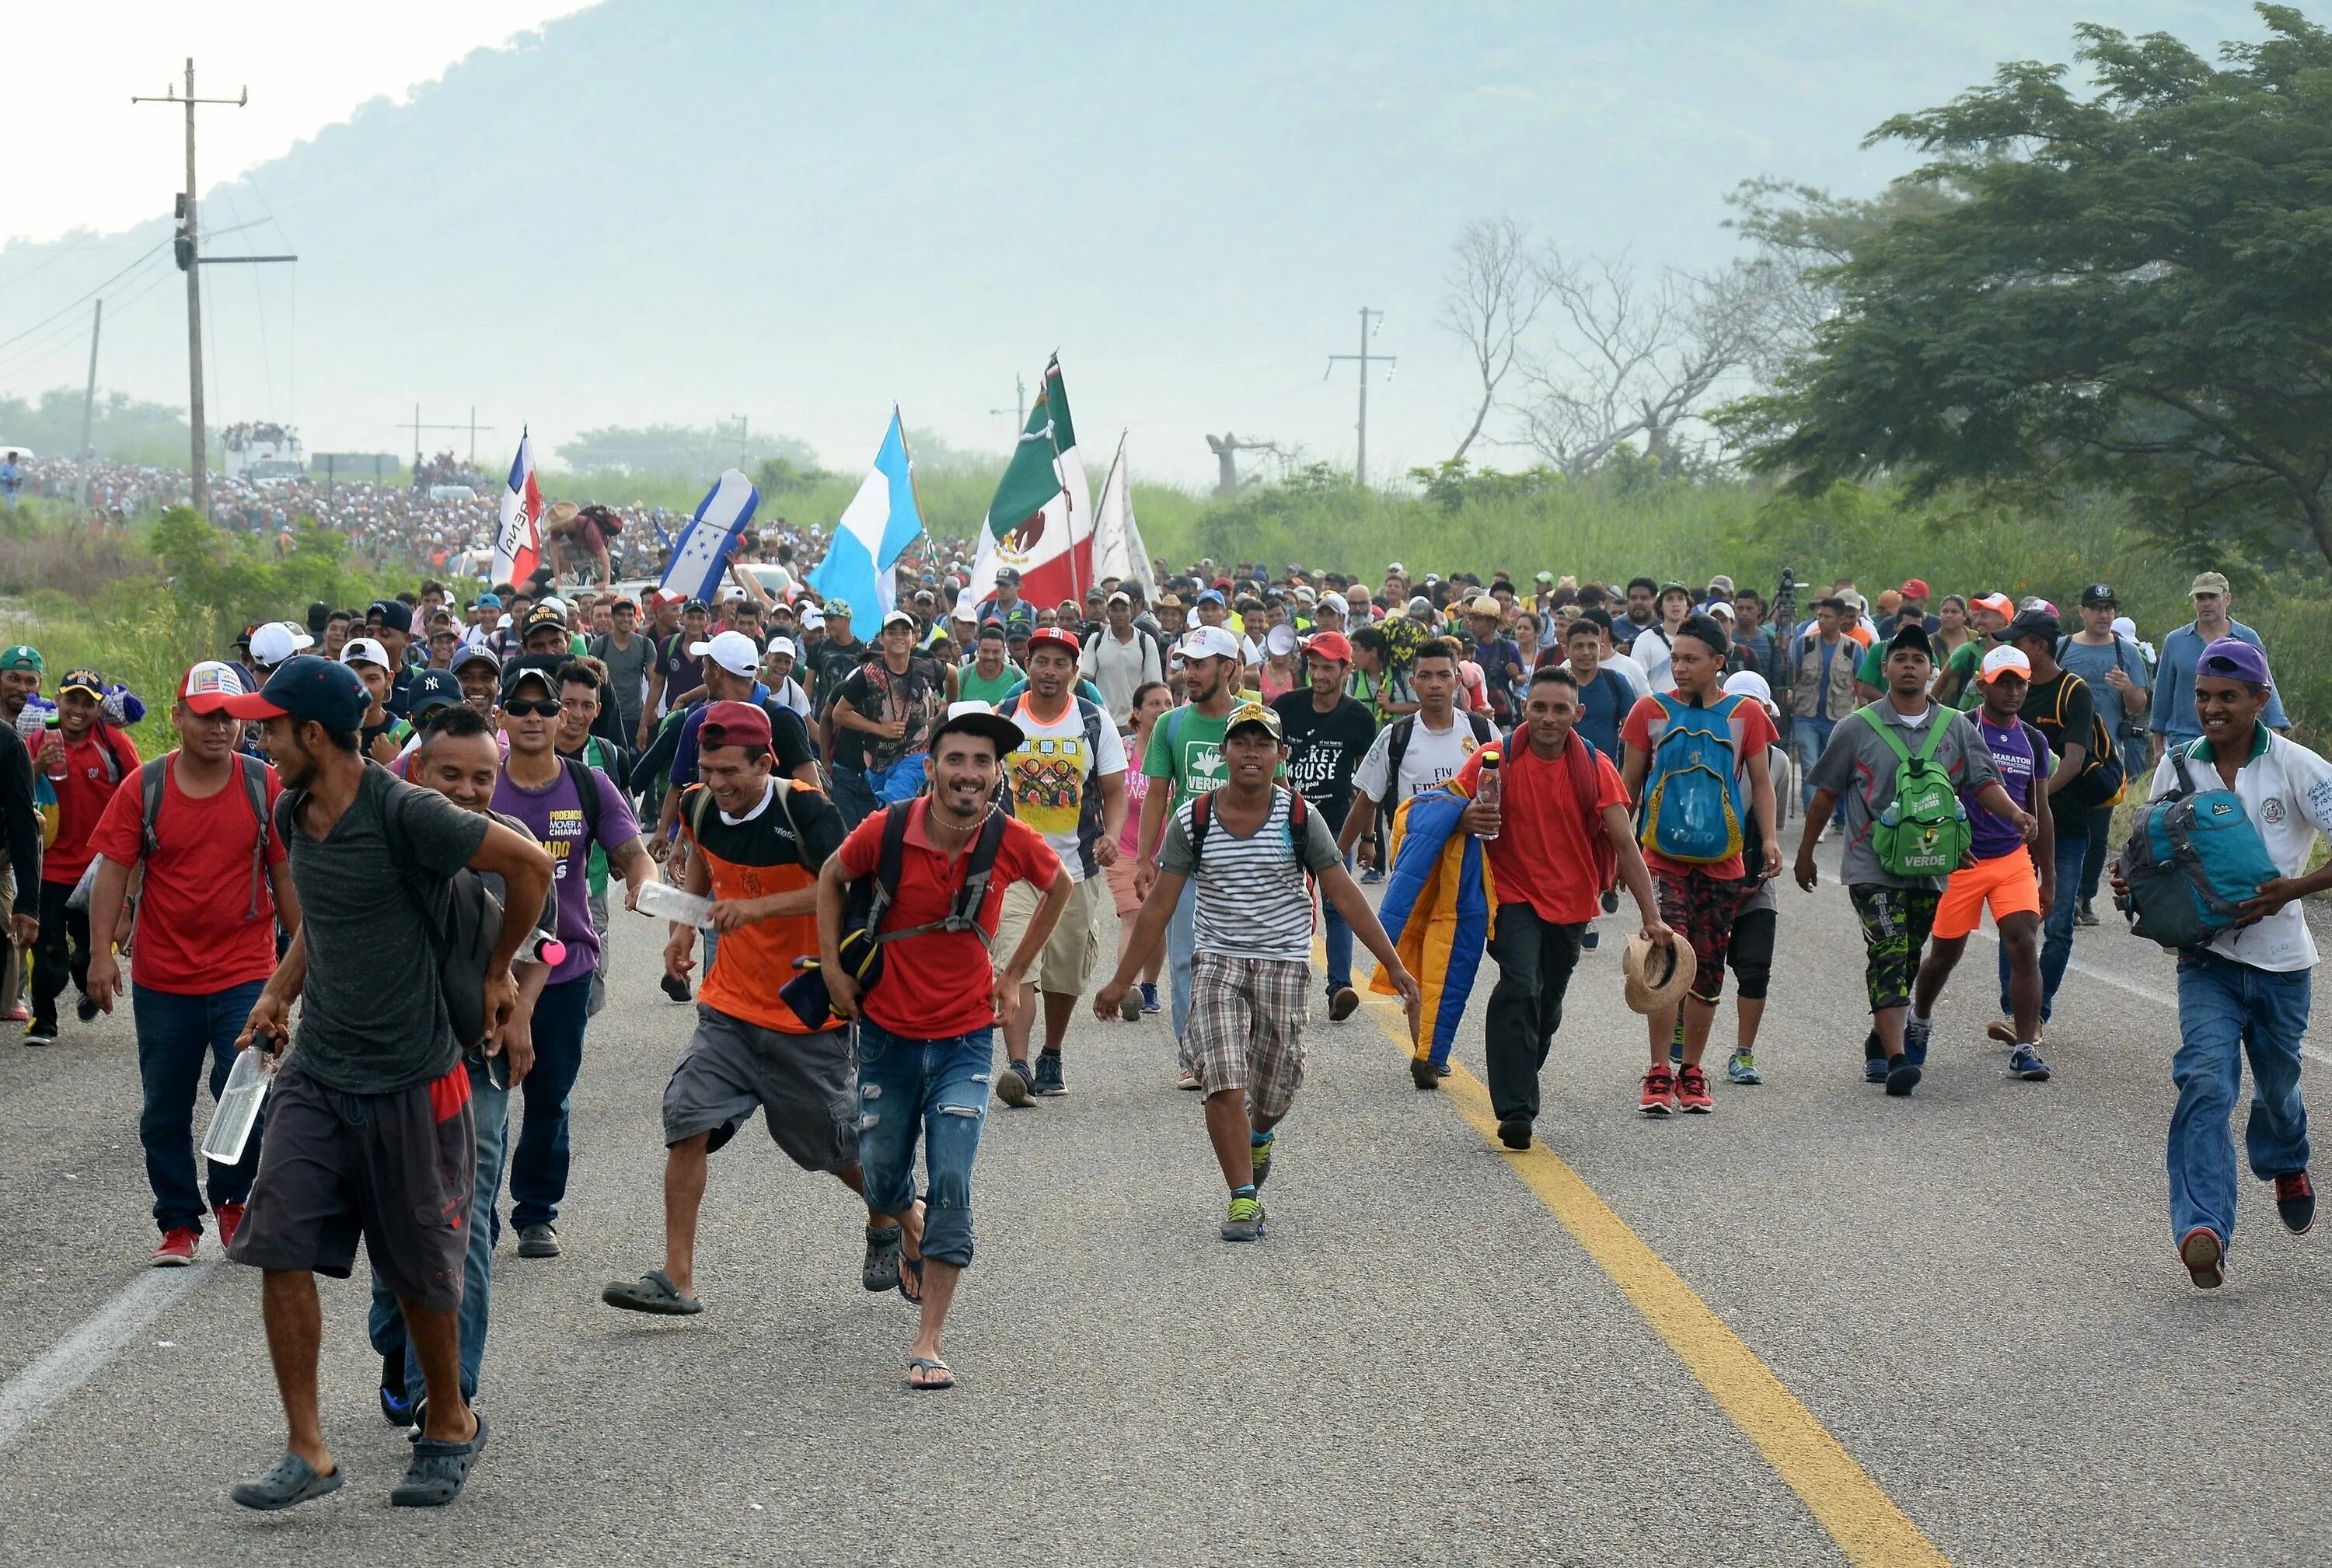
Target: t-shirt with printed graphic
[554, 815]
[775, 847]
[1253, 897]
[1053, 781]
[1325, 749]
[2021, 754]
[1433, 757]
[1752, 731]
[1186, 746]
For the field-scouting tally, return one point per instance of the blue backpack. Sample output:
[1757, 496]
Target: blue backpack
[1692, 811]
[2193, 858]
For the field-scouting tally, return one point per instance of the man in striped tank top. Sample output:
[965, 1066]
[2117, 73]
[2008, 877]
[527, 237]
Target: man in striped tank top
[1251, 849]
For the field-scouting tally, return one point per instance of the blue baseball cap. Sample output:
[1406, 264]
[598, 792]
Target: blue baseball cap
[309, 687]
[434, 689]
[2234, 659]
[1211, 597]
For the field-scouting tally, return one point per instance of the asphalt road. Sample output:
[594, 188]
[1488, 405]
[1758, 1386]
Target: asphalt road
[1971, 1291]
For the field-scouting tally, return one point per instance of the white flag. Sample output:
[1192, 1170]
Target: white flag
[1118, 550]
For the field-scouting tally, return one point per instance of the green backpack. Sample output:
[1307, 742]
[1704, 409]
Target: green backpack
[1923, 831]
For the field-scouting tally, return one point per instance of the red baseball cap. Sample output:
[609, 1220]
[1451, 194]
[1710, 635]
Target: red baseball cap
[1330, 645]
[733, 724]
[1054, 637]
[1915, 589]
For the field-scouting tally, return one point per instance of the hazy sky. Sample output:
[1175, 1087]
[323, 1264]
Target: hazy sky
[691, 209]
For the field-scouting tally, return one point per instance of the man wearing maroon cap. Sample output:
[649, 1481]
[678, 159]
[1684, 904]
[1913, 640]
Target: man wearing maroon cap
[1327, 734]
[1915, 594]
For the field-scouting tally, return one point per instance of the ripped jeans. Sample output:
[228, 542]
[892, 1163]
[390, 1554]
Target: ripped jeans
[939, 1089]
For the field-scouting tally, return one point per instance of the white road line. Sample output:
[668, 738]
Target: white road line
[32, 1393]
[2149, 993]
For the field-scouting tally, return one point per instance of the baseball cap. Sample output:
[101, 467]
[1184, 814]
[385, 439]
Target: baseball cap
[23, 656]
[1911, 635]
[549, 613]
[83, 679]
[1483, 605]
[838, 609]
[733, 724]
[696, 608]
[1336, 602]
[1121, 597]
[1053, 637]
[1548, 578]
[1915, 588]
[2208, 582]
[732, 651]
[1210, 643]
[974, 718]
[1396, 566]
[898, 618]
[2099, 593]
[2033, 624]
[1209, 597]
[1721, 609]
[1329, 645]
[1251, 712]
[477, 653]
[541, 668]
[2234, 659]
[308, 686]
[812, 618]
[1009, 574]
[394, 615]
[487, 602]
[364, 650]
[965, 612]
[2007, 660]
[432, 690]
[269, 645]
[1998, 603]
[1750, 683]
[781, 645]
[208, 685]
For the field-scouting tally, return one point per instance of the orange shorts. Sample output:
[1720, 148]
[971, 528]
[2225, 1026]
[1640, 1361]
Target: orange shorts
[2007, 883]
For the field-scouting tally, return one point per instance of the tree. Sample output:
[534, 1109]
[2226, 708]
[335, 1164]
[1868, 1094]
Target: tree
[1495, 290]
[2133, 294]
[693, 451]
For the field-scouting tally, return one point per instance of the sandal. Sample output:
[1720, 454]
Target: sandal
[936, 1375]
[880, 1270]
[438, 1470]
[911, 1267]
[653, 1292]
[292, 1481]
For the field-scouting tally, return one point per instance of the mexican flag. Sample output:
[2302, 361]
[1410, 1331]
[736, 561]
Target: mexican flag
[1041, 522]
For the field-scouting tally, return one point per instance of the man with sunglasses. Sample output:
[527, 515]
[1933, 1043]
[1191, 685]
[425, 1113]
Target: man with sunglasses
[544, 790]
[214, 876]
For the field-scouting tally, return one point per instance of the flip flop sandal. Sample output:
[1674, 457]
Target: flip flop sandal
[653, 1292]
[292, 1481]
[911, 1267]
[880, 1270]
[928, 1365]
[438, 1470]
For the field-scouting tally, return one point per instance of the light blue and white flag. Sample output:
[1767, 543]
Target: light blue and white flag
[710, 537]
[876, 528]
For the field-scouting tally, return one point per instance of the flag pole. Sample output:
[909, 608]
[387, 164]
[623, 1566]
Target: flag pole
[1068, 496]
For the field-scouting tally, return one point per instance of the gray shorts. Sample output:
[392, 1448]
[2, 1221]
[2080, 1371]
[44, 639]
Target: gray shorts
[805, 1087]
[395, 1168]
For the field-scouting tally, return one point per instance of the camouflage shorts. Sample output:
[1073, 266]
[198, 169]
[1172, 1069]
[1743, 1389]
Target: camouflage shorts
[1894, 925]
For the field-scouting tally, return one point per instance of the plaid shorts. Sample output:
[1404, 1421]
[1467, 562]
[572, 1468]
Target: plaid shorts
[1701, 909]
[1247, 1026]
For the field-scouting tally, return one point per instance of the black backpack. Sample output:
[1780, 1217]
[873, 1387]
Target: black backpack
[862, 936]
[1405, 727]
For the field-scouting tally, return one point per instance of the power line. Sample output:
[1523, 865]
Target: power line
[1365, 358]
[84, 299]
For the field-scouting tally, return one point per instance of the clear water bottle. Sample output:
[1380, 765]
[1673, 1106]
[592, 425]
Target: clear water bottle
[665, 902]
[239, 1104]
[1487, 788]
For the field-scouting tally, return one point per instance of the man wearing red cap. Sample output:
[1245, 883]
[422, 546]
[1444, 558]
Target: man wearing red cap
[1327, 734]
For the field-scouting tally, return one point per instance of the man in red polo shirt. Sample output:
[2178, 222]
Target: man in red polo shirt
[1563, 833]
[86, 759]
[926, 1026]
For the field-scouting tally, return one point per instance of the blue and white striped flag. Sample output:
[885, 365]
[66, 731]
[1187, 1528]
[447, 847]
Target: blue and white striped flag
[876, 528]
[710, 537]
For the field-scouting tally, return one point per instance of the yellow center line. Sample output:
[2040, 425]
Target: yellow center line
[1865, 1522]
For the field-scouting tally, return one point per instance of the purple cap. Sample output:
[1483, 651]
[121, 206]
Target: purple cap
[2234, 659]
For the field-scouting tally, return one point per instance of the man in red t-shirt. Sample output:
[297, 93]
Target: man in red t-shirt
[926, 1027]
[1700, 899]
[1563, 833]
[207, 916]
[84, 759]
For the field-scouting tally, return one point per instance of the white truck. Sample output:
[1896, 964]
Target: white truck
[263, 452]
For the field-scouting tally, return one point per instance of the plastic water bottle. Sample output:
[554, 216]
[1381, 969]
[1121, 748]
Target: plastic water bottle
[665, 902]
[1487, 789]
[238, 1106]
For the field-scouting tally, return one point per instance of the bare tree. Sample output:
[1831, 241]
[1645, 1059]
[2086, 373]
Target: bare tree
[1635, 356]
[1495, 290]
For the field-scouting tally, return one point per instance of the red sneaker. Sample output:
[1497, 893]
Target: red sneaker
[2295, 1202]
[230, 1217]
[1659, 1090]
[1692, 1090]
[177, 1247]
[2203, 1253]
[17, 1014]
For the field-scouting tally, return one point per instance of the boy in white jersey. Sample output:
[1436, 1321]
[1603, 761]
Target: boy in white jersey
[1251, 849]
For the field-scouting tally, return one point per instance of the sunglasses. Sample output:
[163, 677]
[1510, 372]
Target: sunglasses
[523, 707]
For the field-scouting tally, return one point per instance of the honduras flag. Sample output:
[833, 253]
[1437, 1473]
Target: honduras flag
[876, 528]
[710, 538]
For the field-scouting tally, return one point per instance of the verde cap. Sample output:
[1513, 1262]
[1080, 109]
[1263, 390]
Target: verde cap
[23, 656]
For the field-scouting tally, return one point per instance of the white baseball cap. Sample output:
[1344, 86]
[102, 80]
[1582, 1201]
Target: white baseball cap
[1335, 602]
[278, 641]
[1210, 643]
[2007, 656]
[732, 651]
[365, 651]
[1751, 683]
[781, 645]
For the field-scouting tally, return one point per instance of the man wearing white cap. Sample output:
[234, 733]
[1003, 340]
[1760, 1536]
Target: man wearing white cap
[275, 642]
[731, 662]
[1186, 753]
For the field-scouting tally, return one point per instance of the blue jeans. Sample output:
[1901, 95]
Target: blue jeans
[2225, 1007]
[1181, 943]
[1811, 735]
[2055, 931]
[853, 797]
[537, 1172]
[1337, 936]
[489, 1110]
[177, 1034]
[938, 1088]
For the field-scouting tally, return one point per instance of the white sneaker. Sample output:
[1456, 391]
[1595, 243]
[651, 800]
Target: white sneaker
[1188, 1080]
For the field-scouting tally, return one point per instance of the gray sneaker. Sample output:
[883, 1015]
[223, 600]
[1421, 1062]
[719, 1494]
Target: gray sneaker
[537, 1240]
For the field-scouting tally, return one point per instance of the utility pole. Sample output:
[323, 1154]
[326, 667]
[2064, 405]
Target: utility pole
[189, 253]
[88, 398]
[1365, 358]
[1019, 403]
[417, 427]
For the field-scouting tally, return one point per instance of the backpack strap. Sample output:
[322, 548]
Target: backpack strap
[1484, 731]
[1396, 748]
[587, 797]
[153, 780]
[1202, 815]
[1870, 716]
